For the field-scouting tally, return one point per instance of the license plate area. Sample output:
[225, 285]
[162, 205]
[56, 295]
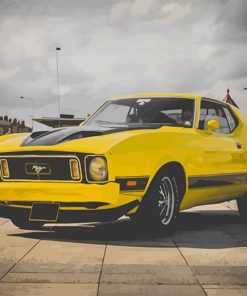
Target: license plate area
[45, 212]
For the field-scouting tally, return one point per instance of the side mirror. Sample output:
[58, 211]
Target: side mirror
[212, 124]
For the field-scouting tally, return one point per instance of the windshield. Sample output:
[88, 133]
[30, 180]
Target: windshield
[145, 111]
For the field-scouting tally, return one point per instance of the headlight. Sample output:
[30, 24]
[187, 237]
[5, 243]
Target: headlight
[98, 169]
[4, 168]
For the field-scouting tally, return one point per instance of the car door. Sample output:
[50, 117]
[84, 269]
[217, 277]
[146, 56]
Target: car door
[218, 170]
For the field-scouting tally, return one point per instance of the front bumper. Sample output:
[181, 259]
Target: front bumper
[73, 216]
[59, 192]
[77, 202]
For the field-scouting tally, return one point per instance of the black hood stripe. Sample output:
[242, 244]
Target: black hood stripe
[61, 135]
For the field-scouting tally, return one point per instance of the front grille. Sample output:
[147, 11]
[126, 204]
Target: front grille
[40, 168]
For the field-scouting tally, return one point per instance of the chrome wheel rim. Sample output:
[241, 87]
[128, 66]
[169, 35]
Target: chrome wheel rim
[166, 200]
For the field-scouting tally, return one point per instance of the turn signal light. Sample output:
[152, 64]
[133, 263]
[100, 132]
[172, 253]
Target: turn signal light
[131, 183]
[74, 169]
[4, 168]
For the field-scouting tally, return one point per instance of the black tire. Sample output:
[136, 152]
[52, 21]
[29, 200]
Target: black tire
[242, 207]
[26, 224]
[160, 205]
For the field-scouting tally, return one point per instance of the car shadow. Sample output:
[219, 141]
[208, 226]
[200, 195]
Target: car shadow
[211, 229]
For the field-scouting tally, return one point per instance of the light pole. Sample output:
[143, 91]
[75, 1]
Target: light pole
[32, 100]
[58, 94]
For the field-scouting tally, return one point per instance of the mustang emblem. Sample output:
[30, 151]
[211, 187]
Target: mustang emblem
[38, 168]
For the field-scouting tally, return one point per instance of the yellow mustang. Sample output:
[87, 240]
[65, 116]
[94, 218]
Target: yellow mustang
[147, 156]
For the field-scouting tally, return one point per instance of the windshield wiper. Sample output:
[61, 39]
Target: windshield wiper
[137, 124]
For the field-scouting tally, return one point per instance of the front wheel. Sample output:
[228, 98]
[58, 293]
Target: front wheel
[26, 224]
[242, 207]
[160, 205]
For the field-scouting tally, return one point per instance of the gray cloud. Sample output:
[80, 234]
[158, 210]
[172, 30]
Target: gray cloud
[112, 47]
[231, 22]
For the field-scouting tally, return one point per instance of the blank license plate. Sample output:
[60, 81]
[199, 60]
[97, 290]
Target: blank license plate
[47, 212]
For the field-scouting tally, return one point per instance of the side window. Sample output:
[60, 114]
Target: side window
[205, 111]
[210, 110]
[233, 123]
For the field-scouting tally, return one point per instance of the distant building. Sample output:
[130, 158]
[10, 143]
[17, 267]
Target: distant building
[64, 120]
[9, 126]
[228, 99]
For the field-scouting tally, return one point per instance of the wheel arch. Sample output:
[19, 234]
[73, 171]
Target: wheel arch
[175, 169]
[178, 170]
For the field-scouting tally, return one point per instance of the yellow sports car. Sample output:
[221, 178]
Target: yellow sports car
[147, 156]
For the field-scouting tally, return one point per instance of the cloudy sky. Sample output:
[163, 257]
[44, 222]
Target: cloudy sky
[114, 47]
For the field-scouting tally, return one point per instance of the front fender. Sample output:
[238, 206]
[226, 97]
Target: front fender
[143, 155]
[13, 136]
[6, 137]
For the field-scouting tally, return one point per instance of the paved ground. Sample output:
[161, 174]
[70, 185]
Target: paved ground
[207, 255]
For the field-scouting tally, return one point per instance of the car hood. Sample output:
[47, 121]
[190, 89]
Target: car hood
[83, 138]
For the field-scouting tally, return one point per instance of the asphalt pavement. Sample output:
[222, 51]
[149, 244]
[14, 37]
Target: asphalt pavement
[206, 255]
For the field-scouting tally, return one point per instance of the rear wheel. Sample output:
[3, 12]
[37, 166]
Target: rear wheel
[242, 207]
[160, 206]
[26, 224]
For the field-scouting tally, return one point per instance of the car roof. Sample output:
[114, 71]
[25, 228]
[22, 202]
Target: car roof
[158, 95]
[166, 95]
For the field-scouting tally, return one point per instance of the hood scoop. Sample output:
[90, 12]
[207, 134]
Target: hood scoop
[61, 135]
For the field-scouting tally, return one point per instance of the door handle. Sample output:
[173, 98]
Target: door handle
[239, 145]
